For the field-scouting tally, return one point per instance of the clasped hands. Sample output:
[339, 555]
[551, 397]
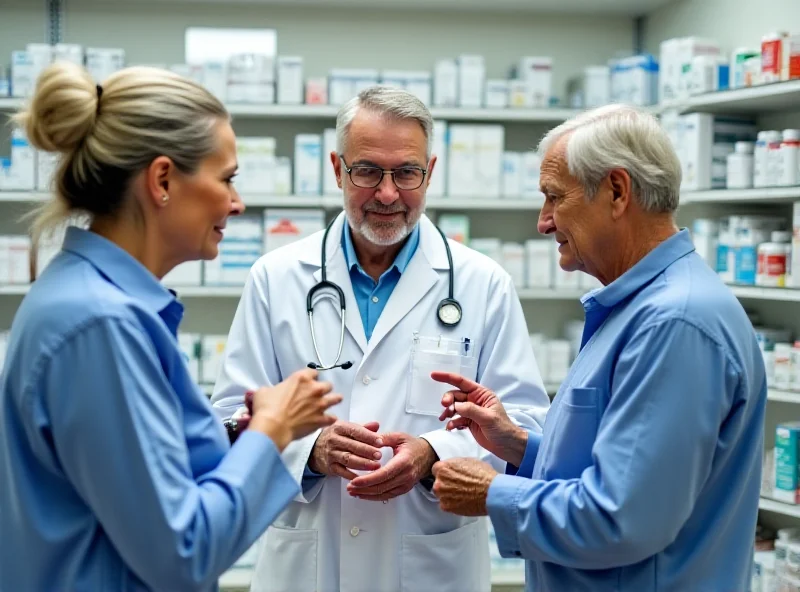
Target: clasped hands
[462, 484]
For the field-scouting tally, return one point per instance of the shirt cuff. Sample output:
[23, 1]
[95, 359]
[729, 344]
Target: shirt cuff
[501, 503]
[525, 468]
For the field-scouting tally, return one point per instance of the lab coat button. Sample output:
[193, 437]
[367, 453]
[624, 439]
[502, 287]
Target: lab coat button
[366, 380]
[354, 531]
[375, 299]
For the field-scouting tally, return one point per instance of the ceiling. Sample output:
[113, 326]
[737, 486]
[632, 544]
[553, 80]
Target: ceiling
[608, 7]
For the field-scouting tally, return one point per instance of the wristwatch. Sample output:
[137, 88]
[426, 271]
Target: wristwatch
[232, 428]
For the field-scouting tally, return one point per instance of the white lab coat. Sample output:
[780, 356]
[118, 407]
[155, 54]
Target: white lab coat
[326, 540]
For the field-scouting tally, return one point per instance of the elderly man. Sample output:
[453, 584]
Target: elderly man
[411, 303]
[647, 474]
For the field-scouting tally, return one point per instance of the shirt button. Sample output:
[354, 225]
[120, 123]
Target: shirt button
[375, 299]
[354, 531]
[366, 380]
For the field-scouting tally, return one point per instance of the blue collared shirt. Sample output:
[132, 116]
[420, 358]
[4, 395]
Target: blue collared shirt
[372, 296]
[115, 472]
[647, 474]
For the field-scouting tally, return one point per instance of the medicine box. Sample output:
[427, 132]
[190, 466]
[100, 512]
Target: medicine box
[537, 71]
[596, 86]
[41, 55]
[531, 165]
[251, 79]
[18, 173]
[215, 79]
[68, 52]
[489, 144]
[283, 176]
[213, 354]
[511, 184]
[445, 83]
[103, 62]
[185, 274]
[462, 160]
[238, 251]
[22, 76]
[513, 255]
[787, 481]
[15, 259]
[290, 80]
[491, 247]
[420, 85]
[519, 94]
[437, 178]
[471, 77]
[46, 166]
[496, 94]
[329, 184]
[317, 91]
[455, 227]
[307, 164]
[285, 226]
[256, 158]
[539, 263]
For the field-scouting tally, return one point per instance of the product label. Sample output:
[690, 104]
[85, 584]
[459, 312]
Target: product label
[771, 57]
[785, 459]
[722, 258]
[746, 265]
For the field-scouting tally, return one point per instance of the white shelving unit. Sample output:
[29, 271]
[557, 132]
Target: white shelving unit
[783, 396]
[767, 98]
[776, 507]
[733, 196]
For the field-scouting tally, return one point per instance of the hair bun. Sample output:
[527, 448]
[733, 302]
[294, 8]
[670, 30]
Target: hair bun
[63, 109]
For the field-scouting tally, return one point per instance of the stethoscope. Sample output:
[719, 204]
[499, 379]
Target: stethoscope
[448, 312]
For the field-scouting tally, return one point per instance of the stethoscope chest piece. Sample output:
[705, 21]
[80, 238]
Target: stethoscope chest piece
[449, 312]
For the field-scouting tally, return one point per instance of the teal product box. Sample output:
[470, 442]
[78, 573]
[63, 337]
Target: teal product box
[787, 441]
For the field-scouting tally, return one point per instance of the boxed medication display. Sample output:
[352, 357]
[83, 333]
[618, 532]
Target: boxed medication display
[471, 79]
[597, 86]
[307, 164]
[462, 160]
[317, 91]
[22, 76]
[283, 176]
[213, 351]
[437, 186]
[329, 185]
[103, 62]
[256, 165]
[15, 260]
[489, 142]
[239, 250]
[420, 85]
[215, 79]
[445, 84]
[496, 94]
[787, 479]
[537, 72]
[519, 94]
[285, 226]
[513, 255]
[491, 247]
[185, 274]
[539, 263]
[68, 52]
[18, 173]
[511, 184]
[290, 80]
[455, 227]
[190, 345]
[531, 165]
[251, 79]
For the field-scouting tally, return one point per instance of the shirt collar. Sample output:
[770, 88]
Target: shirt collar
[119, 267]
[656, 261]
[400, 262]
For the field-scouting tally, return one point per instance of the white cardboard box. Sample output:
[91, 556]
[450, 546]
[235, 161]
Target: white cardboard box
[437, 186]
[256, 165]
[103, 62]
[22, 75]
[445, 84]
[471, 78]
[511, 185]
[514, 262]
[329, 185]
[290, 80]
[238, 251]
[462, 160]
[307, 164]
[539, 263]
[285, 226]
[490, 141]
[213, 353]
[537, 71]
[496, 94]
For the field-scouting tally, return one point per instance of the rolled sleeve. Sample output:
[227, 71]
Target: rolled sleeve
[525, 468]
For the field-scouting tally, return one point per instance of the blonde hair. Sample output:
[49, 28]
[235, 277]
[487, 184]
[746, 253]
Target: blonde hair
[106, 134]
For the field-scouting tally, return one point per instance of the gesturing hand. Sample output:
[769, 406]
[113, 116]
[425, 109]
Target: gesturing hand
[344, 446]
[479, 410]
[293, 408]
[412, 461]
[462, 485]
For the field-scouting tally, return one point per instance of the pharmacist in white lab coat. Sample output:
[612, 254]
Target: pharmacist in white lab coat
[366, 520]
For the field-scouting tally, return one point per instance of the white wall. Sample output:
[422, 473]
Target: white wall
[732, 23]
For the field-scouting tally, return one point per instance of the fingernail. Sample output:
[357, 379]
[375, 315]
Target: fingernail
[379, 442]
[377, 456]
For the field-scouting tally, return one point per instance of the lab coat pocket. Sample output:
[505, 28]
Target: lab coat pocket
[424, 395]
[287, 561]
[458, 552]
[574, 434]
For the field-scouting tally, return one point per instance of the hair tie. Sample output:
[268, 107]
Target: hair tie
[99, 94]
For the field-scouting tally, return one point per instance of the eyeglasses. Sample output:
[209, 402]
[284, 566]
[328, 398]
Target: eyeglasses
[367, 177]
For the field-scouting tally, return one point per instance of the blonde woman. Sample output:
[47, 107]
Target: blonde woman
[115, 473]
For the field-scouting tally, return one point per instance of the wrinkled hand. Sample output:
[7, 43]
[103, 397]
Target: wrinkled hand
[344, 446]
[293, 408]
[412, 461]
[478, 409]
[462, 485]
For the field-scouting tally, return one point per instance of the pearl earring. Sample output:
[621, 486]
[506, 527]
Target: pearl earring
[164, 199]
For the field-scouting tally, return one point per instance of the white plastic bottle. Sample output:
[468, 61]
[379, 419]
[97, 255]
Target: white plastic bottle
[760, 160]
[740, 166]
[789, 161]
[773, 260]
[774, 140]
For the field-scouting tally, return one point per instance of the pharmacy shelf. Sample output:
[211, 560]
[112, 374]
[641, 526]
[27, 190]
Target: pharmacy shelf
[327, 112]
[334, 202]
[781, 96]
[770, 505]
[14, 290]
[760, 293]
[783, 396]
[761, 195]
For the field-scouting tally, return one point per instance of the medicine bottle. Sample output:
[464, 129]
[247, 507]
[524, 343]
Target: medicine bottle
[740, 166]
[789, 161]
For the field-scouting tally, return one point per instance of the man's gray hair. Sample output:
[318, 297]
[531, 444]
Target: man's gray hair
[621, 137]
[390, 102]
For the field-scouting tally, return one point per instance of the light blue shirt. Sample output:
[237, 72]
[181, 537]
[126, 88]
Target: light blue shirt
[372, 296]
[115, 472]
[647, 474]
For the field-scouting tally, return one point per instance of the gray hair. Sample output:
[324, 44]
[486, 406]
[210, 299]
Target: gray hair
[105, 135]
[621, 137]
[391, 102]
